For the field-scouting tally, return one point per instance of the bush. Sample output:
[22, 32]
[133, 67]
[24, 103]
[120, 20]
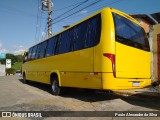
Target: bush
[10, 71]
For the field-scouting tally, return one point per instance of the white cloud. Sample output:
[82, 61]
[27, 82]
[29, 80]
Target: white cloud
[19, 52]
[83, 11]
[18, 49]
[3, 51]
[14, 49]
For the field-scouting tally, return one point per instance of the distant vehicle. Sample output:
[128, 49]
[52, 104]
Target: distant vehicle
[108, 50]
[18, 72]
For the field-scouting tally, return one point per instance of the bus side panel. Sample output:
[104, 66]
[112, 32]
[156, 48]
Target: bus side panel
[30, 72]
[36, 70]
[81, 80]
[77, 70]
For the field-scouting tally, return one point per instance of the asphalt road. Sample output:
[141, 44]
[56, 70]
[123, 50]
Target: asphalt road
[16, 96]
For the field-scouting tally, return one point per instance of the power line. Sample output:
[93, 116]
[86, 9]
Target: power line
[77, 5]
[100, 7]
[77, 11]
[85, 8]
[45, 31]
[70, 9]
[67, 7]
[106, 5]
[87, 12]
[39, 22]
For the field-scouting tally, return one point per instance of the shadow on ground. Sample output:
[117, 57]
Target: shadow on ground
[141, 99]
[86, 95]
[98, 96]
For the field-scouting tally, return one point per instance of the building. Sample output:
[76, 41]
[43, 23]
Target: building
[2, 70]
[2, 67]
[153, 31]
[156, 51]
[156, 44]
[145, 21]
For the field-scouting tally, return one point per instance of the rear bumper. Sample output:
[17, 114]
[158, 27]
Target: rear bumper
[109, 82]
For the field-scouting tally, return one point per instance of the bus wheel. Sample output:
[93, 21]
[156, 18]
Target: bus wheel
[24, 79]
[55, 86]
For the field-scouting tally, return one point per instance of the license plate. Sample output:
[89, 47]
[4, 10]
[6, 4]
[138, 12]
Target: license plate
[136, 84]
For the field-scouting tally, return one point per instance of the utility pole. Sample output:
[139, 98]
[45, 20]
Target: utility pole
[47, 5]
[49, 18]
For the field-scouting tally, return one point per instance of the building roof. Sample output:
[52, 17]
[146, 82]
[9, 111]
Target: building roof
[156, 16]
[145, 17]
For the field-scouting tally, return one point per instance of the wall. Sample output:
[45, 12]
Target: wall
[158, 54]
[145, 25]
[2, 70]
[156, 31]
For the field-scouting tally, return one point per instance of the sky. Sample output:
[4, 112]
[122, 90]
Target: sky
[23, 23]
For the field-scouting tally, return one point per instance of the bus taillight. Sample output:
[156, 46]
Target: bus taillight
[112, 58]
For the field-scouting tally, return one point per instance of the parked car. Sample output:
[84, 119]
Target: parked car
[18, 72]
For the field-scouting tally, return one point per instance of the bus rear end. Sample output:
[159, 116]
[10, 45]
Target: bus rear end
[130, 60]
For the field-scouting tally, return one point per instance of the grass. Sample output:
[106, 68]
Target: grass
[17, 66]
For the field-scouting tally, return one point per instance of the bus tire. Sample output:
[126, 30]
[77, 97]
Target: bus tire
[56, 89]
[25, 81]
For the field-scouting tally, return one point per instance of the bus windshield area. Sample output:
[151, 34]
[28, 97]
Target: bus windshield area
[129, 33]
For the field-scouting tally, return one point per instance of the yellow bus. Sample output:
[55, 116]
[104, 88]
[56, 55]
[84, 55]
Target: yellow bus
[108, 50]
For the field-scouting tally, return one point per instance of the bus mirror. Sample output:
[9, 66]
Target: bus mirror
[25, 56]
[24, 53]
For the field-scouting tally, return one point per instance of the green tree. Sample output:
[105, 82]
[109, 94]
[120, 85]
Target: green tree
[19, 58]
[10, 56]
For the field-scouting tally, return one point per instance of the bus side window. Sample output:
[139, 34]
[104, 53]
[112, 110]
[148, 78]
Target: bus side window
[51, 47]
[69, 42]
[30, 53]
[80, 36]
[65, 42]
[43, 49]
[93, 32]
[62, 41]
[58, 41]
[38, 51]
[33, 52]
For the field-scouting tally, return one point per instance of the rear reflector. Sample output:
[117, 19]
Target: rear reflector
[112, 58]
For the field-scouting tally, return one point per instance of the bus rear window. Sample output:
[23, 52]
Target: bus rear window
[129, 33]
